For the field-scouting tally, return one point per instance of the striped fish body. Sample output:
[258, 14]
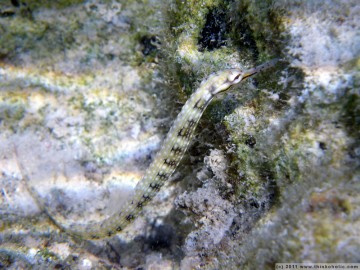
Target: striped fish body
[169, 156]
[165, 161]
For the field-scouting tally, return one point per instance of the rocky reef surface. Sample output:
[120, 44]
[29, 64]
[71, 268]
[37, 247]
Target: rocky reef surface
[88, 89]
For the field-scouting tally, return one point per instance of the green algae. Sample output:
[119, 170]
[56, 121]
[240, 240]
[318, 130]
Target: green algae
[260, 21]
[59, 4]
[245, 30]
[19, 32]
[263, 165]
[12, 109]
[185, 20]
[278, 161]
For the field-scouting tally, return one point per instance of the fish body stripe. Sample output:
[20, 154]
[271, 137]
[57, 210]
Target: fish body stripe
[160, 170]
[169, 156]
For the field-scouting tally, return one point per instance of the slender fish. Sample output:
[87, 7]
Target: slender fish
[166, 160]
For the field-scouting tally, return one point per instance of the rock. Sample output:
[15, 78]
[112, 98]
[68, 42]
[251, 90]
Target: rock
[88, 89]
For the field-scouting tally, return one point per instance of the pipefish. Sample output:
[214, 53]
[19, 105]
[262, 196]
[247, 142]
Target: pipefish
[165, 161]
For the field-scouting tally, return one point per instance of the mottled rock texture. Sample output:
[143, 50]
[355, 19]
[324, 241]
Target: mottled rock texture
[88, 89]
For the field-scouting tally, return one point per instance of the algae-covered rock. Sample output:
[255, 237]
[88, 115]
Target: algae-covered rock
[89, 89]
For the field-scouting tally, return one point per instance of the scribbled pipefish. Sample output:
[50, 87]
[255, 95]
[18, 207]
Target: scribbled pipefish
[167, 159]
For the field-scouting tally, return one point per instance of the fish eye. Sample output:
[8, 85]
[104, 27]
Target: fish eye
[234, 77]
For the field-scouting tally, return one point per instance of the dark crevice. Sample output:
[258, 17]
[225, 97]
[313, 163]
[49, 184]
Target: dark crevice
[214, 34]
[149, 45]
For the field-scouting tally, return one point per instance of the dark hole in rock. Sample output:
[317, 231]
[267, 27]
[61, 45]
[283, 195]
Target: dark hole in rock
[213, 35]
[149, 44]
